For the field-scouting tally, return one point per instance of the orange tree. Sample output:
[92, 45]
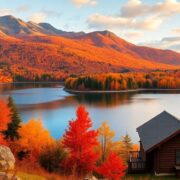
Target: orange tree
[34, 137]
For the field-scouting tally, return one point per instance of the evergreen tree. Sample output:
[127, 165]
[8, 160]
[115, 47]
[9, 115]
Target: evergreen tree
[12, 131]
[127, 146]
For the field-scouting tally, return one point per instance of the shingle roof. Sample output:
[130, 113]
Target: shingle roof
[158, 129]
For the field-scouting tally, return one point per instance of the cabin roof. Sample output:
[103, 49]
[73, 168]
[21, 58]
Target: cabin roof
[158, 129]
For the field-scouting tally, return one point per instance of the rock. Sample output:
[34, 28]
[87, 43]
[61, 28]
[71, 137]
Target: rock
[7, 163]
[7, 160]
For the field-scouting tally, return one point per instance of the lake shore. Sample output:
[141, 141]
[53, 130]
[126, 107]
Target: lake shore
[115, 91]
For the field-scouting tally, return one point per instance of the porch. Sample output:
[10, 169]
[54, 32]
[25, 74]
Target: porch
[136, 164]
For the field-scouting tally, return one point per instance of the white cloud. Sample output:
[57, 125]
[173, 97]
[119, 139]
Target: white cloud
[4, 12]
[80, 3]
[165, 43]
[38, 17]
[22, 8]
[51, 13]
[137, 15]
[134, 8]
[118, 22]
[176, 31]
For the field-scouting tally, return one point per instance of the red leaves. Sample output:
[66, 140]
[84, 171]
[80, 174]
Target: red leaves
[112, 168]
[4, 119]
[80, 141]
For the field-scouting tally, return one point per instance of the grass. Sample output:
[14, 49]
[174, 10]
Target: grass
[149, 177]
[26, 176]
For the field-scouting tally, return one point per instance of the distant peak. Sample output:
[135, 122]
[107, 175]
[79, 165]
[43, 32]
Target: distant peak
[8, 16]
[47, 26]
[106, 33]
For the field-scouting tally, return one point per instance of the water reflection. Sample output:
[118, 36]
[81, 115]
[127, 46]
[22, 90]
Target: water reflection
[123, 111]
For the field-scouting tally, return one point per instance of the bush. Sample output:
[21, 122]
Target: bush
[52, 157]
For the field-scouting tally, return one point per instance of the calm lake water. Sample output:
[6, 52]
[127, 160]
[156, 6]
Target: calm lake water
[124, 112]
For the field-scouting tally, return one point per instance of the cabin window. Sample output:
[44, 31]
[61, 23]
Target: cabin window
[178, 157]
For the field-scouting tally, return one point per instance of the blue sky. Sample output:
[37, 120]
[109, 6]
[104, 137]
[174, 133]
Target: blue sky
[151, 22]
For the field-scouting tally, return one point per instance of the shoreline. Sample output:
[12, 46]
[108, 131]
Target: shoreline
[115, 91]
[32, 82]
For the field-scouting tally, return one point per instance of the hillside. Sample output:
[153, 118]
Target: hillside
[35, 50]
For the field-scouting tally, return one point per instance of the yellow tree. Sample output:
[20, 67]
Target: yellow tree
[126, 147]
[105, 138]
[34, 137]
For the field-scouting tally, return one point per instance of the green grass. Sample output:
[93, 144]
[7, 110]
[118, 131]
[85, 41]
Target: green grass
[149, 177]
[25, 176]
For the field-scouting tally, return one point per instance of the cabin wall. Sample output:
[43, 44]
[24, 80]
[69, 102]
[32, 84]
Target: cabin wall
[165, 156]
[143, 154]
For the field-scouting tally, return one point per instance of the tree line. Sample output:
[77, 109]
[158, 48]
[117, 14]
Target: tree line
[81, 152]
[124, 81]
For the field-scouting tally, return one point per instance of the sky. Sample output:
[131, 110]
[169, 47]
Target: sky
[154, 23]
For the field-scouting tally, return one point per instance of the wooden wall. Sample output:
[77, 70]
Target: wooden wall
[165, 156]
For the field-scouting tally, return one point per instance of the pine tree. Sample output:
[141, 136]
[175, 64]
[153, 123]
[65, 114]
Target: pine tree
[127, 146]
[12, 131]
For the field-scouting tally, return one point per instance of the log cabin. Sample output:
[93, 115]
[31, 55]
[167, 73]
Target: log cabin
[159, 146]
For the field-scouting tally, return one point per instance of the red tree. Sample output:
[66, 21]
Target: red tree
[81, 141]
[112, 168]
[4, 119]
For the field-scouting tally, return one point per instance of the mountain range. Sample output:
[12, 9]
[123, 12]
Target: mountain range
[28, 48]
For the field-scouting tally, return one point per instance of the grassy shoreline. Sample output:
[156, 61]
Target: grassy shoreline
[116, 91]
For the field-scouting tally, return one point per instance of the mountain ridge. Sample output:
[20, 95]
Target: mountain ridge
[41, 48]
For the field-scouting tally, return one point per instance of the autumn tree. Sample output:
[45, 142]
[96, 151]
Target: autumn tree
[34, 137]
[105, 139]
[127, 146]
[4, 119]
[80, 141]
[15, 122]
[112, 168]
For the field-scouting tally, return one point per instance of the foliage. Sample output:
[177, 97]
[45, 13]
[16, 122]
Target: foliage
[13, 126]
[105, 138]
[125, 81]
[34, 137]
[80, 141]
[52, 157]
[127, 146]
[4, 119]
[112, 168]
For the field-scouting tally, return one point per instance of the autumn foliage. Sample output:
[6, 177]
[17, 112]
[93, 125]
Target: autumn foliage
[34, 137]
[124, 81]
[77, 155]
[112, 168]
[4, 119]
[80, 141]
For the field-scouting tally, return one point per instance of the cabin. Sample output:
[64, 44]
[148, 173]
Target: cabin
[159, 147]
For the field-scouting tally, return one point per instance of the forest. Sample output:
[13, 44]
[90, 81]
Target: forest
[81, 152]
[125, 81]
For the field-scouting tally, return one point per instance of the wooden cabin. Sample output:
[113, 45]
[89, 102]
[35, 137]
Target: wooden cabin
[159, 146]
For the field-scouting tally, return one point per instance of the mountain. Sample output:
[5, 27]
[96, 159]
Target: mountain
[28, 48]
[17, 27]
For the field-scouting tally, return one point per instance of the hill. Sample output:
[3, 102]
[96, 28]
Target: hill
[33, 50]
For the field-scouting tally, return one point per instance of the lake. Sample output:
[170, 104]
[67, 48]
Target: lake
[124, 112]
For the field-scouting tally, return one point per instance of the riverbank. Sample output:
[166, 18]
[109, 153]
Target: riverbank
[115, 91]
[37, 82]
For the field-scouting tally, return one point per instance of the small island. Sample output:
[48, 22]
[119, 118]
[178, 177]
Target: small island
[124, 82]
